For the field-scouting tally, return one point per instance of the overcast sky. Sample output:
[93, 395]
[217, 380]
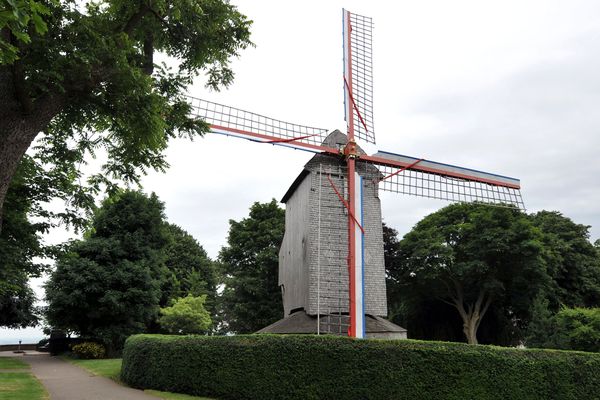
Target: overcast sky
[509, 87]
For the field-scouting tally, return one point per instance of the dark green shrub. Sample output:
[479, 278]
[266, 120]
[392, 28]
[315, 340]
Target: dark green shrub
[89, 350]
[578, 329]
[320, 367]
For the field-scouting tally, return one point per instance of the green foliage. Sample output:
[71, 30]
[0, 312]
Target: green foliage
[186, 316]
[21, 248]
[571, 277]
[89, 350]
[108, 284]
[540, 329]
[191, 271]
[251, 298]
[577, 329]
[16, 16]
[84, 74]
[472, 258]
[573, 263]
[327, 367]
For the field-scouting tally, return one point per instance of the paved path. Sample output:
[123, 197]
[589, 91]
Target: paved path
[65, 381]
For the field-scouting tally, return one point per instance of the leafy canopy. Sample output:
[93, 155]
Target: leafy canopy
[573, 263]
[130, 263]
[186, 316]
[190, 269]
[108, 284]
[470, 257]
[21, 248]
[251, 298]
[84, 73]
[16, 16]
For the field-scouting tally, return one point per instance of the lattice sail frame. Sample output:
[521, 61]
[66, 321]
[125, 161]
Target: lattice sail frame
[425, 179]
[433, 180]
[437, 186]
[233, 121]
[358, 74]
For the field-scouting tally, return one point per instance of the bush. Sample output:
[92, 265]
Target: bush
[321, 367]
[578, 329]
[187, 315]
[89, 350]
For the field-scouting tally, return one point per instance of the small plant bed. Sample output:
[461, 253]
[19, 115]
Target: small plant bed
[20, 386]
[302, 367]
[12, 363]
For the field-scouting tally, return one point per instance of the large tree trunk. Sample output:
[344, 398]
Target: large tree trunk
[473, 313]
[17, 132]
[470, 326]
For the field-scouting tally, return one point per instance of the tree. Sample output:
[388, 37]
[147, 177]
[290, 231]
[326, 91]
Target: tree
[471, 257]
[541, 326]
[84, 73]
[251, 298]
[426, 318]
[17, 300]
[191, 270]
[20, 248]
[186, 316]
[572, 261]
[108, 284]
[577, 329]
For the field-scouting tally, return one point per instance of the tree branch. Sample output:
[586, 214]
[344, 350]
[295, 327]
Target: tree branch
[148, 54]
[162, 20]
[136, 18]
[20, 88]
[484, 310]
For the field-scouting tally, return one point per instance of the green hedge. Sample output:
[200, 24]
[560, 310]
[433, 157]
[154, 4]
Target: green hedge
[320, 367]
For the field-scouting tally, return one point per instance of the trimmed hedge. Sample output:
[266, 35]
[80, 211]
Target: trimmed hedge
[325, 367]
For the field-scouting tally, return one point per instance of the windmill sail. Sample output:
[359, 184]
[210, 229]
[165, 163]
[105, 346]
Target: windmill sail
[226, 120]
[425, 178]
[358, 74]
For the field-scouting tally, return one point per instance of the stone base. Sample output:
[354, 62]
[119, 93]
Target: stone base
[301, 323]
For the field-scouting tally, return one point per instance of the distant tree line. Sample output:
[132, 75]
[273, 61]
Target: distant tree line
[465, 273]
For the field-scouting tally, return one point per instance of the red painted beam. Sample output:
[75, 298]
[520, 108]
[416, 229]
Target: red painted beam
[274, 139]
[433, 170]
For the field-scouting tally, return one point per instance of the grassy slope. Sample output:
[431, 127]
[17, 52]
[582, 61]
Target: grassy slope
[111, 368]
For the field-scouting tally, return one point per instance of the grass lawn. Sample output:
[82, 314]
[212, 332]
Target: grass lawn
[12, 363]
[19, 385]
[111, 368]
[174, 396]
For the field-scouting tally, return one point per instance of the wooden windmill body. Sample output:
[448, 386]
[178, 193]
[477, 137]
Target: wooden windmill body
[313, 268]
[331, 261]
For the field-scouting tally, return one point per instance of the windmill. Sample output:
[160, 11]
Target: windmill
[393, 172]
